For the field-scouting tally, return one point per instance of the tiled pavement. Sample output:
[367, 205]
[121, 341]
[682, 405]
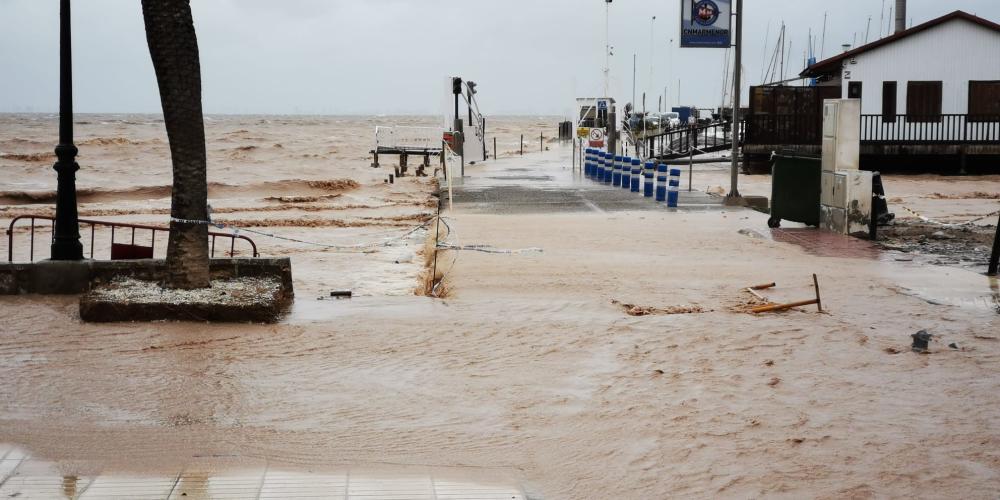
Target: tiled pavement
[23, 477]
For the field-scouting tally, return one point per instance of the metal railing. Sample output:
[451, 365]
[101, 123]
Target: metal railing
[930, 129]
[147, 252]
[807, 129]
[683, 140]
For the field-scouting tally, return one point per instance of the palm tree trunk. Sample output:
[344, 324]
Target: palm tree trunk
[173, 47]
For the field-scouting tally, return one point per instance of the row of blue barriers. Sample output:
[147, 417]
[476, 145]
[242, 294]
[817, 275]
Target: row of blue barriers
[626, 172]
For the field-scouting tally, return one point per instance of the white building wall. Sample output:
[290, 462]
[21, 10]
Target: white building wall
[953, 53]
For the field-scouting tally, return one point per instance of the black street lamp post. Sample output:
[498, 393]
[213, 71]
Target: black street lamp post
[66, 238]
[995, 256]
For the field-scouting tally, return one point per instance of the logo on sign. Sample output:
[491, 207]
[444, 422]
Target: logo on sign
[705, 13]
[706, 23]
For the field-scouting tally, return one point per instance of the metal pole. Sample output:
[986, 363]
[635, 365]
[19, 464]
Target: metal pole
[522, 144]
[633, 78]
[691, 157]
[494, 148]
[66, 240]
[652, 56]
[995, 258]
[437, 242]
[607, 48]
[734, 192]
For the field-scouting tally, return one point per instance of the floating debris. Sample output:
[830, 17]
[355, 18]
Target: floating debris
[634, 310]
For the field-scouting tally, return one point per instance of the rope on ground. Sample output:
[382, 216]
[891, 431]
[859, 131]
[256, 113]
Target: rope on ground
[360, 247]
[949, 224]
[489, 249]
[458, 247]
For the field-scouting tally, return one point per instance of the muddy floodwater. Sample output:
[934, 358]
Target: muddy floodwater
[527, 379]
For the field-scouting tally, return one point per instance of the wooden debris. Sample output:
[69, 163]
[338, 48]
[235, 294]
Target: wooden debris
[783, 307]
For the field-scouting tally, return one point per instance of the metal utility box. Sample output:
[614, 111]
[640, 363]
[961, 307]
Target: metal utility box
[841, 134]
[846, 192]
[795, 189]
[846, 205]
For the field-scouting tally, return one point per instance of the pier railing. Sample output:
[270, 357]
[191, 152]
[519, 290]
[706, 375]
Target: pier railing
[930, 129]
[129, 248]
[683, 140]
[807, 129]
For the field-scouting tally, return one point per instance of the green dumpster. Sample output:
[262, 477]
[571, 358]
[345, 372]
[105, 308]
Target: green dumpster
[795, 188]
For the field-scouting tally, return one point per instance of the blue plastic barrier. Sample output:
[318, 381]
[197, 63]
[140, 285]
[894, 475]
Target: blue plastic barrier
[648, 173]
[636, 175]
[661, 182]
[626, 179]
[673, 190]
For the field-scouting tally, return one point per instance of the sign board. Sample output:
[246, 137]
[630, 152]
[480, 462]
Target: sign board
[602, 105]
[597, 137]
[583, 132]
[706, 23]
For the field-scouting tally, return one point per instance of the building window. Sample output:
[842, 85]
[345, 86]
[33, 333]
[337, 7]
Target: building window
[984, 101]
[889, 102]
[854, 90]
[923, 101]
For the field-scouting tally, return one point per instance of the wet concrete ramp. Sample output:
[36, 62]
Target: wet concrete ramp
[547, 184]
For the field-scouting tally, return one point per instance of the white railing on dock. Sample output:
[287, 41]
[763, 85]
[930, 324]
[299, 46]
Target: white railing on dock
[416, 139]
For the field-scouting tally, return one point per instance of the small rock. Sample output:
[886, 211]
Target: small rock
[953, 345]
[941, 235]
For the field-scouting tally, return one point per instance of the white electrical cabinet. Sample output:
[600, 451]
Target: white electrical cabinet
[846, 201]
[846, 191]
[841, 134]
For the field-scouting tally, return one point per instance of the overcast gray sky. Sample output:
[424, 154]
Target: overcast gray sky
[392, 56]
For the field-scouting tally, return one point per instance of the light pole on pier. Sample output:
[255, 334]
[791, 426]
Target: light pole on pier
[607, 48]
[734, 192]
[66, 238]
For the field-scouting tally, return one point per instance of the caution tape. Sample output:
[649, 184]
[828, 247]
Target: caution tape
[949, 224]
